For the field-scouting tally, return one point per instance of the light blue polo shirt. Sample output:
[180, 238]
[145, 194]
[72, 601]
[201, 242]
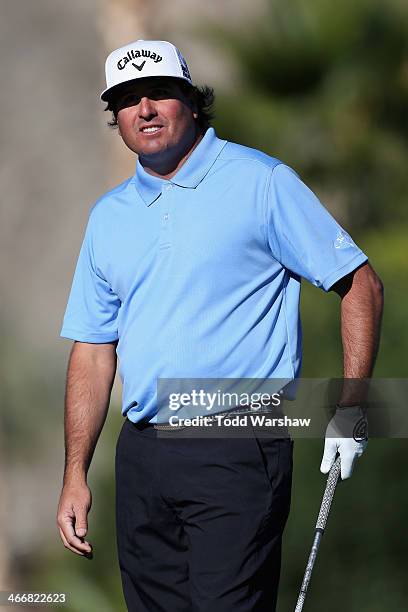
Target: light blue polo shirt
[199, 276]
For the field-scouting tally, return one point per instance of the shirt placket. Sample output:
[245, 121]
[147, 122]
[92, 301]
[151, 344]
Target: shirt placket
[165, 216]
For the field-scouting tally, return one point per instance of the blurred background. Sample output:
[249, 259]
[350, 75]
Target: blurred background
[322, 86]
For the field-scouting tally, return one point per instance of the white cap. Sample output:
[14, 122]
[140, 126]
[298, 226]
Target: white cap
[141, 59]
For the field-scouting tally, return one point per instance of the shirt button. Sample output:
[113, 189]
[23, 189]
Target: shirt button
[165, 217]
[168, 187]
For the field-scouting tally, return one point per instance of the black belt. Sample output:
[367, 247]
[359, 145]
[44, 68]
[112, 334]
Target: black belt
[242, 411]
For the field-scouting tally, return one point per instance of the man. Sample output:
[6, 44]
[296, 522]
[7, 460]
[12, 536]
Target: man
[191, 269]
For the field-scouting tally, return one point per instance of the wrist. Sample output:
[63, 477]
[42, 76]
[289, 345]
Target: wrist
[74, 478]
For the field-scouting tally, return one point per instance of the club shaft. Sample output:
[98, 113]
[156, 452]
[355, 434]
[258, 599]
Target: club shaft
[328, 495]
[309, 569]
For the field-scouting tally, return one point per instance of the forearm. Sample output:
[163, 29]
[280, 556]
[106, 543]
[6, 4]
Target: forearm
[361, 313]
[90, 377]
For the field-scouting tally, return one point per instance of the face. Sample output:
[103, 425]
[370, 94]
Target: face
[157, 121]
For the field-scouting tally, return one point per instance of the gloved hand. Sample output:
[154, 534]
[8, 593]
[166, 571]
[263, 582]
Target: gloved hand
[346, 434]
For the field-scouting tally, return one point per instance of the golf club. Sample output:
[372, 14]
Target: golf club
[328, 495]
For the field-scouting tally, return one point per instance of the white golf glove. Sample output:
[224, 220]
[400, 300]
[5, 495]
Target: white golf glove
[346, 434]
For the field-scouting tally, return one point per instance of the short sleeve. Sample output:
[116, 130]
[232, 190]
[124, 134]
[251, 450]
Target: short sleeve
[92, 309]
[302, 234]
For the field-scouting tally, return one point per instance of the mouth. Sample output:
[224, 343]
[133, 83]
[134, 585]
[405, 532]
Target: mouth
[150, 130]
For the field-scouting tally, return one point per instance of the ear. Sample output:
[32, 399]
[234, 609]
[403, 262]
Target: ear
[193, 104]
[194, 108]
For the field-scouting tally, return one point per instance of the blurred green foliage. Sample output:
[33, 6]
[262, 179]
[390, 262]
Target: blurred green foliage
[324, 88]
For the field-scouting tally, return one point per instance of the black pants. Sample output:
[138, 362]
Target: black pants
[200, 520]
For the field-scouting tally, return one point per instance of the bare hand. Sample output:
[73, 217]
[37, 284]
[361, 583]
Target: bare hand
[72, 517]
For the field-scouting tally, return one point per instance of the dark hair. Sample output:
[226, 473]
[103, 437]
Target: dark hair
[203, 97]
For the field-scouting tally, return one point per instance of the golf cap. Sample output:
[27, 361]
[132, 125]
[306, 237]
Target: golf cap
[141, 59]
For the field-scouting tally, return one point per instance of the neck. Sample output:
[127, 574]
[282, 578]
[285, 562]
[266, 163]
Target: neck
[165, 166]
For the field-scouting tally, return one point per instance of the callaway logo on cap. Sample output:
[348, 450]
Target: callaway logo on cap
[144, 58]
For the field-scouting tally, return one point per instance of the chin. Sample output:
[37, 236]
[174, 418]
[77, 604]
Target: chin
[152, 150]
[155, 146]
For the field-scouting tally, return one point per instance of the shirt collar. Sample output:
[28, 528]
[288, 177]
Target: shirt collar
[190, 174]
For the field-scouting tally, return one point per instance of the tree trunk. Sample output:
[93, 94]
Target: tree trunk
[122, 21]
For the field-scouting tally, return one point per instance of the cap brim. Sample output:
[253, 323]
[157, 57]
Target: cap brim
[107, 93]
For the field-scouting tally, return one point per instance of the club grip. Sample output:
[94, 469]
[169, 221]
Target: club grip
[328, 494]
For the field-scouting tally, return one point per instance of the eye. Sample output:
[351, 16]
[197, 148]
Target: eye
[129, 99]
[160, 93]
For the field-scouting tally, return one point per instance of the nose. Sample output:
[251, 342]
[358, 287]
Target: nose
[147, 108]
